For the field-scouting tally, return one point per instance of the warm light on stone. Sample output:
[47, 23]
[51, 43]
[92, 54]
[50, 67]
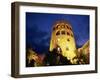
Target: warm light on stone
[62, 35]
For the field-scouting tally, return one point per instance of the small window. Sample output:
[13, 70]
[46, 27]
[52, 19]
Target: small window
[57, 26]
[67, 48]
[67, 27]
[68, 34]
[58, 33]
[63, 32]
[72, 35]
[68, 40]
[70, 28]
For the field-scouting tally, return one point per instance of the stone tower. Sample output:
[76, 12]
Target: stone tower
[62, 36]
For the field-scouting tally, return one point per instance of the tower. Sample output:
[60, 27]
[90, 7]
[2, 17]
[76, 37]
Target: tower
[62, 36]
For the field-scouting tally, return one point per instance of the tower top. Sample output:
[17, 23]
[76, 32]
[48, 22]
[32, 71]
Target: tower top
[62, 24]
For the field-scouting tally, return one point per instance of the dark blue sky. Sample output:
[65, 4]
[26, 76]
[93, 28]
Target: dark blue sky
[39, 29]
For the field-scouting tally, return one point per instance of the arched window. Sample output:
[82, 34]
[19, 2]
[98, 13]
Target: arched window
[58, 33]
[67, 48]
[70, 28]
[72, 35]
[63, 32]
[57, 26]
[67, 26]
[68, 33]
[68, 40]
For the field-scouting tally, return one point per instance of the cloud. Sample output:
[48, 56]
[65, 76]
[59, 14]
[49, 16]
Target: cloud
[37, 39]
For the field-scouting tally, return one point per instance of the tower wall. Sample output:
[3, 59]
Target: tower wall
[62, 35]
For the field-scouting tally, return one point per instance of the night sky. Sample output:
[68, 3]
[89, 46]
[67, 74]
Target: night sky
[39, 29]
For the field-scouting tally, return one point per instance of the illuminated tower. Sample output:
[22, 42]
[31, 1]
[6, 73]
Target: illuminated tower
[62, 36]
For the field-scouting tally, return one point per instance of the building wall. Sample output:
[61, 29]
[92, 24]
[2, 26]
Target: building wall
[62, 36]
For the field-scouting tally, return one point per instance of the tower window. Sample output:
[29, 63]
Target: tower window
[72, 35]
[58, 33]
[68, 33]
[54, 28]
[67, 48]
[68, 39]
[67, 27]
[63, 32]
[57, 26]
[70, 28]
